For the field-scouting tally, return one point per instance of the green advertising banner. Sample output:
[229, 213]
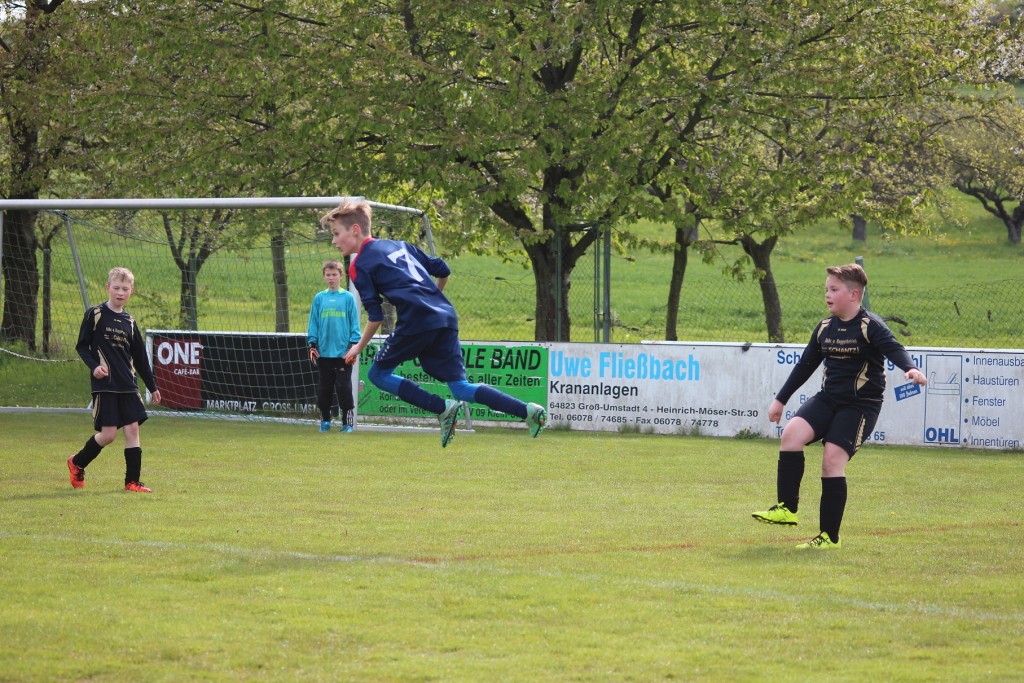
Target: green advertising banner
[520, 370]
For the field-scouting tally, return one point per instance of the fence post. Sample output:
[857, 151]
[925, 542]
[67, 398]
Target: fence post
[607, 331]
[558, 282]
[865, 302]
[597, 286]
[74, 256]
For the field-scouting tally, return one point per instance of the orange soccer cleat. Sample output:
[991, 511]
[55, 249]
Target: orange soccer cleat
[77, 473]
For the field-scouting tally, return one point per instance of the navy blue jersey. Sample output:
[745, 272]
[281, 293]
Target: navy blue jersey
[404, 275]
[114, 341]
[854, 354]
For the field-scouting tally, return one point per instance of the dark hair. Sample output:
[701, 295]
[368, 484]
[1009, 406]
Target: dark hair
[851, 274]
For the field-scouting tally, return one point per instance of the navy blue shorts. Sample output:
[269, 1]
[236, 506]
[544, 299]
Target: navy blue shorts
[845, 423]
[110, 409]
[439, 353]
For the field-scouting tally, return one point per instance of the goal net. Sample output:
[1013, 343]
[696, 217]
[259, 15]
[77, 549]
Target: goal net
[223, 289]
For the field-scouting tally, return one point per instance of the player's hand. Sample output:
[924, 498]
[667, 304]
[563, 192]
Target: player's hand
[351, 355]
[775, 411]
[156, 397]
[314, 354]
[100, 372]
[916, 376]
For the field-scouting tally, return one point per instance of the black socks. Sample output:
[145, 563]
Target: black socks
[791, 472]
[90, 451]
[132, 464]
[132, 459]
[833, 504]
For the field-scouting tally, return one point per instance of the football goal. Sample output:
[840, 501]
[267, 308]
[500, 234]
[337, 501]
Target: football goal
[223, 290]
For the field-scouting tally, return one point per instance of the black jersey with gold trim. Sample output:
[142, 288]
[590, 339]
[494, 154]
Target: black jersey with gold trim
[113, 340]
[853, 352]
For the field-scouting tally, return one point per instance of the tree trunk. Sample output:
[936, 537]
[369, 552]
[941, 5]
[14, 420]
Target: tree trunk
[188, 317]
[47, 297]
[762, 257]
[1013, 226]
[27, 170]
[680, 257]
[21, 277]
[548, 306]
[995, 204]
[46, 246]
[277, 255]
[552, 311]
[860, 228]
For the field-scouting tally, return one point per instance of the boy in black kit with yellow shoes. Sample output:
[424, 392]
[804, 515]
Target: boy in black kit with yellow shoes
[111, 344]
[853, 344]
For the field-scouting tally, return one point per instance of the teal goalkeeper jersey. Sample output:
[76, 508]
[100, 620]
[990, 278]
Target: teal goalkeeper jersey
[333, 322]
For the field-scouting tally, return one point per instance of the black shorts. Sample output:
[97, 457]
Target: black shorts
[844, 423]
[111, 409]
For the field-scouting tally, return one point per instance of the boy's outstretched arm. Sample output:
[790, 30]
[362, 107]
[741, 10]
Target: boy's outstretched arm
[371, 329]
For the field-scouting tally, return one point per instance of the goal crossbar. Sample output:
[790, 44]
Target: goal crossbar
[264, 362]
[192, 203]
[198, 203]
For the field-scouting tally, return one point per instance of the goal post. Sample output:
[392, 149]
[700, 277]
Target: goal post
[223, 290]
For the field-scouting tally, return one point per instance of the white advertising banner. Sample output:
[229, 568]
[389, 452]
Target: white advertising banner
[718, 389]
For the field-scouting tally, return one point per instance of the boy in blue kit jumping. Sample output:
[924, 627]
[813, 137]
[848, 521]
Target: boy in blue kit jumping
[110, 343]
[427, 329]
[333, 328]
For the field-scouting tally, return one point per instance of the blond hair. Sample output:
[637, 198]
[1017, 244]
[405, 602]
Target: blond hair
[120, 273]
[350, 212]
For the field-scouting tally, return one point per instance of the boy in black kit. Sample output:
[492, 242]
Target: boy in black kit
[853, 344]
[112, 346]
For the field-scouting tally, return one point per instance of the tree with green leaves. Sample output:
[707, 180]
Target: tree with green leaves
[35, 85]
[540, 125]
[986, 161]
[830, 130]
[215, 112]
[60, 77]
[547, 122]
[534, 121]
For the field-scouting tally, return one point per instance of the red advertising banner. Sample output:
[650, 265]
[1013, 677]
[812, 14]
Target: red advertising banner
[177, 366]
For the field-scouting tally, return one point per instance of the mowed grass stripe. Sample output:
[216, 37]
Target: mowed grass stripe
[481, 565]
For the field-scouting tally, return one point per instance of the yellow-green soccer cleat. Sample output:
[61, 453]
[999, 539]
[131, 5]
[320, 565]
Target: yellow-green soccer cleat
[536, 418]
[448, 419]
[820, 542]
[777, 514]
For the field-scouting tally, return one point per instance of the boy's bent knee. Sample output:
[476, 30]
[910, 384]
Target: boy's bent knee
[106, 436]
[384, 379]
[796, 434]
[463, 390]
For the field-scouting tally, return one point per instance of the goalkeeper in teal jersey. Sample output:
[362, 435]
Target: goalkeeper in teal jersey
[333, 328]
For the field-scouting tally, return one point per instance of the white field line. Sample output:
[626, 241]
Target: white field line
[222, 549]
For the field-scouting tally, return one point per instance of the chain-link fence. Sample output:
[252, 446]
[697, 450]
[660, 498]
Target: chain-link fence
[970, 315]
[240, 286]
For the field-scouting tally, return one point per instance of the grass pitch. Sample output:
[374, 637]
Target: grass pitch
[274, 552]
